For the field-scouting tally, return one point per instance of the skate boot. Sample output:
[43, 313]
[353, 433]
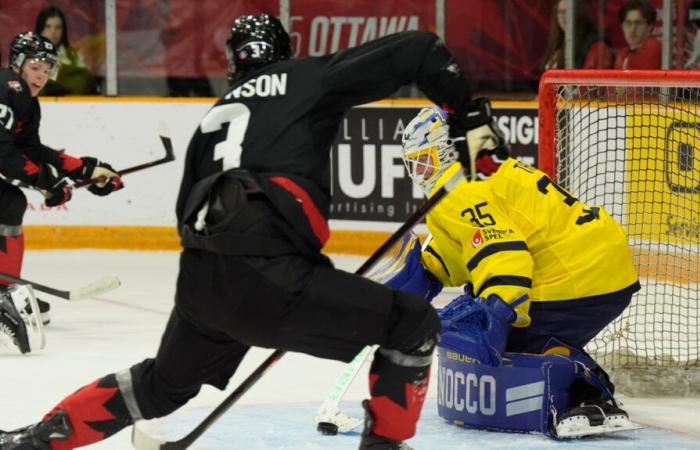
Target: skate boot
[593, 417]
[371, 441]
[13, 330]
[44, 307]
[44, 311]
[37, 436]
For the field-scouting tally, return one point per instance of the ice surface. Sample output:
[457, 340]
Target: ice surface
[90, 338]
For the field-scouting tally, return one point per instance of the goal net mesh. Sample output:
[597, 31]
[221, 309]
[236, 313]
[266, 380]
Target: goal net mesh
[633, 147]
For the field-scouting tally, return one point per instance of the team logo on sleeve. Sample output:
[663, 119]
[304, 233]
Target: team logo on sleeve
[14, 85]
[477, 239]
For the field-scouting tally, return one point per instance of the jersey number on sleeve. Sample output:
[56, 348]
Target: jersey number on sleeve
[589, 214]
[237, 116]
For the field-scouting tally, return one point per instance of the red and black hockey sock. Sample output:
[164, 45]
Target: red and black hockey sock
[397, 394]
[96, 412]
[11, 255]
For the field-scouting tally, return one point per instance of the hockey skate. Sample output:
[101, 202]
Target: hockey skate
[44, 311]
[44, 307]
[592, 418]
[39, 435]
[371, 441]
[20, 323]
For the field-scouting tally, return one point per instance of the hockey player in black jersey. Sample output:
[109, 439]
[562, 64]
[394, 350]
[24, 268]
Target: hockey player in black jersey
[23, 158]
[252, 214]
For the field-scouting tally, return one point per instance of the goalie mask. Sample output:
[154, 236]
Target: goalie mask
[256, 41]
[428, 150]
[31, 46]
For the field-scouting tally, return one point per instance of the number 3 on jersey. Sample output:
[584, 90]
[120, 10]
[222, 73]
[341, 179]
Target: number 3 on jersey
[237, 116]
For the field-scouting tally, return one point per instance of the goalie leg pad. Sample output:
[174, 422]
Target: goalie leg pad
[520, 395]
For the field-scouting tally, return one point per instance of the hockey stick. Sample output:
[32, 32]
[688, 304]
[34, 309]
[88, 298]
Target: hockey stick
[164, 135]
[142, 441]
[95, 288]
[330, 420]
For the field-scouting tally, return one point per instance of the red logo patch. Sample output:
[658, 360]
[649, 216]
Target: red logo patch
[477, 239]
[15, 85]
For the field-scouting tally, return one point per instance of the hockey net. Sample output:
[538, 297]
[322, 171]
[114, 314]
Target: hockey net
[630, 141]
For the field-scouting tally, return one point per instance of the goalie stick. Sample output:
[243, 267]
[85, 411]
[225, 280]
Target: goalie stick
[95, 288]
[143, 441]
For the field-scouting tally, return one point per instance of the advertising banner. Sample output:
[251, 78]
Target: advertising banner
[369, 180]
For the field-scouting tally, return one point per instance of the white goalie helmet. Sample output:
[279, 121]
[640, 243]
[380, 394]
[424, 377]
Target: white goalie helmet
[428, 151]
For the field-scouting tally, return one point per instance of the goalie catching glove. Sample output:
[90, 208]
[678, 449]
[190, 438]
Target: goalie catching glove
[480, 325]
[91, 169]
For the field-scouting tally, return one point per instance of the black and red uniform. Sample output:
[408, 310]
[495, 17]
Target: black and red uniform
[24, 159]
[252, 213]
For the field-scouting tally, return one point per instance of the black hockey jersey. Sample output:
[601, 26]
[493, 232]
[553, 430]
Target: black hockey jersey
[279, 121]
[22, 155]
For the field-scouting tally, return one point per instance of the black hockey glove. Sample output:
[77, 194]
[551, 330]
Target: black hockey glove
[92, 168]
[55, 189]
[479, 142]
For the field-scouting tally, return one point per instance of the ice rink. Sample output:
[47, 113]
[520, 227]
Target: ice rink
[91, 338]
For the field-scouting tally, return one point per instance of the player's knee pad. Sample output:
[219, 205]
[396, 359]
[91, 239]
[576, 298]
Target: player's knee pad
[153, 394]
[14, 204]
[414, 327]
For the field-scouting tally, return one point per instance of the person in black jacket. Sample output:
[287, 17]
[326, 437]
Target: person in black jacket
[252, 214]
[24, 159]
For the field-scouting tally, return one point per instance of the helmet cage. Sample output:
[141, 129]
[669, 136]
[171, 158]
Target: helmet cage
[428, 150]
[30, 46]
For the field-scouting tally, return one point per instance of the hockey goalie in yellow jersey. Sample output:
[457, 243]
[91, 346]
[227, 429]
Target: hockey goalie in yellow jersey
[543, 272]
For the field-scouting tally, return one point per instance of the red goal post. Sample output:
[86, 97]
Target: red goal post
[630, 141]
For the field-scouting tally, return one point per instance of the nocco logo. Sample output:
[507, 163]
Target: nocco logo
[476, 394]
[682, 158]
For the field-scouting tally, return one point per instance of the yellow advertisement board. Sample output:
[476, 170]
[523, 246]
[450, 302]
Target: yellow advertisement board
[663, 166]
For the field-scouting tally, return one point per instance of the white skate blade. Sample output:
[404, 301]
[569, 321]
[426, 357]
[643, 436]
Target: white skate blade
[572, 430]
[100, 286]
[344, 422]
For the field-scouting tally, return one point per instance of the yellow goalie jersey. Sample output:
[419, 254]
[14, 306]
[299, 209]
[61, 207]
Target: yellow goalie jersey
[518, 232]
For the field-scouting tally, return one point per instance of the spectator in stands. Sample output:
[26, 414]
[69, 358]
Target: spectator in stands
[74, 78]
[637, 18]
[591, 51]
[693, 31]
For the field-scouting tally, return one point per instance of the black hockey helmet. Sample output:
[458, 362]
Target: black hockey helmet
[256, 41]
[29, 45]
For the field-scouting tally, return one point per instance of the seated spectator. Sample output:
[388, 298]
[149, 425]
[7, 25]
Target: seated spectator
[694, 35]
[591, 51]
[74, 78]
[637, 18]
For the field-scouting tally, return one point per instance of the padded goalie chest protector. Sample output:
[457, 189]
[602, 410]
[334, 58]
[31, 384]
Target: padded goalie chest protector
[521, 395]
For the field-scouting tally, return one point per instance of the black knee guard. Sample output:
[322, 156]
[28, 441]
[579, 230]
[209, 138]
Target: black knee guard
[414, 327]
